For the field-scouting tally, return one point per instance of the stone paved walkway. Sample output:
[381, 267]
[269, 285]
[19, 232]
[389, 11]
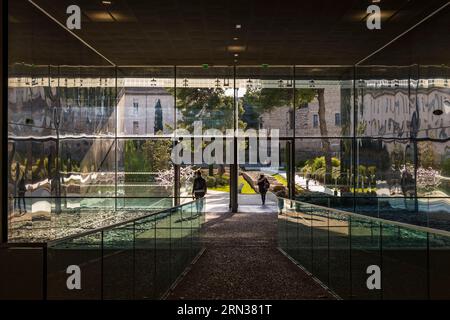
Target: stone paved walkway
[241, 261]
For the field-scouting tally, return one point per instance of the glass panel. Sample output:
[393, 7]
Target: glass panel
[366, 251]
[320, 244]
[439, 256]
[324, 172]
[340, 260]
[324, 101]
[404, 262]
[145, 169]
[76, 215]
[181, 241]
[299, 234]
[163, 275]
[84, 253]
[146, 102]
[119, 262]
[145, 255]
[383, 102]
[266, 99]
[205, 95]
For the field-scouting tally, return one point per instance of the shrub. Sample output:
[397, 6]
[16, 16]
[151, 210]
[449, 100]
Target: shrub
[210, 182]
[446, 167]
[221, 181]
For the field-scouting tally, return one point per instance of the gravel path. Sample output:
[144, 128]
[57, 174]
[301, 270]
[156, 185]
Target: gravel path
[241, 261]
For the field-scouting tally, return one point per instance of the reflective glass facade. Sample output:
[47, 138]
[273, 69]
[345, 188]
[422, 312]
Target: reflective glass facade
[90, 141]
[88, 146]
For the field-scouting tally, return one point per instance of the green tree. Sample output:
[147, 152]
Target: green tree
[157, 154]
[426, 154]
[266, 99]
[158, 117]
[209, 105]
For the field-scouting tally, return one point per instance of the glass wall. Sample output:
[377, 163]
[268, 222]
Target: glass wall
[92, 145]
[402, 143]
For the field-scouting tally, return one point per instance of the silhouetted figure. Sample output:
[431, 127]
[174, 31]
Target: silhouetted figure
[263, 187]
[21, 189]
[199, 190]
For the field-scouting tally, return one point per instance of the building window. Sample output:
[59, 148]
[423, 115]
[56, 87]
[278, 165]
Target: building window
[337, 119]
[315, 121]
[135, 127]
[135, 107]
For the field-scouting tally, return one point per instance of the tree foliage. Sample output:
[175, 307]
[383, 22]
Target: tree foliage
[267, 99]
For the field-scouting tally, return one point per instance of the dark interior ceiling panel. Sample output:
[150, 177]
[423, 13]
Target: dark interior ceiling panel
[166, 32]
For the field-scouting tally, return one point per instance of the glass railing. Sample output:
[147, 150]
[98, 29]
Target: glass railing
[49, 218]
[344, 251]
[135, 259]
[432, 212]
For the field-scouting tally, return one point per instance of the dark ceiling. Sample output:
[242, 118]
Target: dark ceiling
[193, 32]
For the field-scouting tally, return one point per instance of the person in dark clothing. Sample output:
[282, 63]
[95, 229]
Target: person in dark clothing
[199, 191]
[21, 192]
[263, 187]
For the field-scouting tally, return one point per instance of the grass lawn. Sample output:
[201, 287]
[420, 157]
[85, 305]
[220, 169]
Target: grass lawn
[283, 181]
[246, 189]
[280, 179]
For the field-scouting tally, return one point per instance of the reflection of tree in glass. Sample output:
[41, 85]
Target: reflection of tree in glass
[158, 117]
[149, 156]
[209, 105]
[267, 99]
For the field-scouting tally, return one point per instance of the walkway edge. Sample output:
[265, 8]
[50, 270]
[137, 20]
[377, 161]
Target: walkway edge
[334, 294]
[182, 275]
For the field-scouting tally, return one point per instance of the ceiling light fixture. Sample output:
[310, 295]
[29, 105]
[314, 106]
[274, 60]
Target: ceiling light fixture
[235, 38]
[236, 54]
[236, 48]
[238, 26]
[106, 3]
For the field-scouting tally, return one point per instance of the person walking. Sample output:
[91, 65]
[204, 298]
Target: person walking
[199, 191]
[263, 187]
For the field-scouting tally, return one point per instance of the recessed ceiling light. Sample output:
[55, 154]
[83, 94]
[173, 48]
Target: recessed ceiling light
[235, 38]
[107, 2]
[236, 54]
[238, 26]
[236, 48]
[99, 16]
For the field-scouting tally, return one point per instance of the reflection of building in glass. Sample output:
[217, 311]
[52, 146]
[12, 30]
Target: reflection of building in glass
[145, 111]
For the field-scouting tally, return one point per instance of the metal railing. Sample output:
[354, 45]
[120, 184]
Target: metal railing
[363, 257]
